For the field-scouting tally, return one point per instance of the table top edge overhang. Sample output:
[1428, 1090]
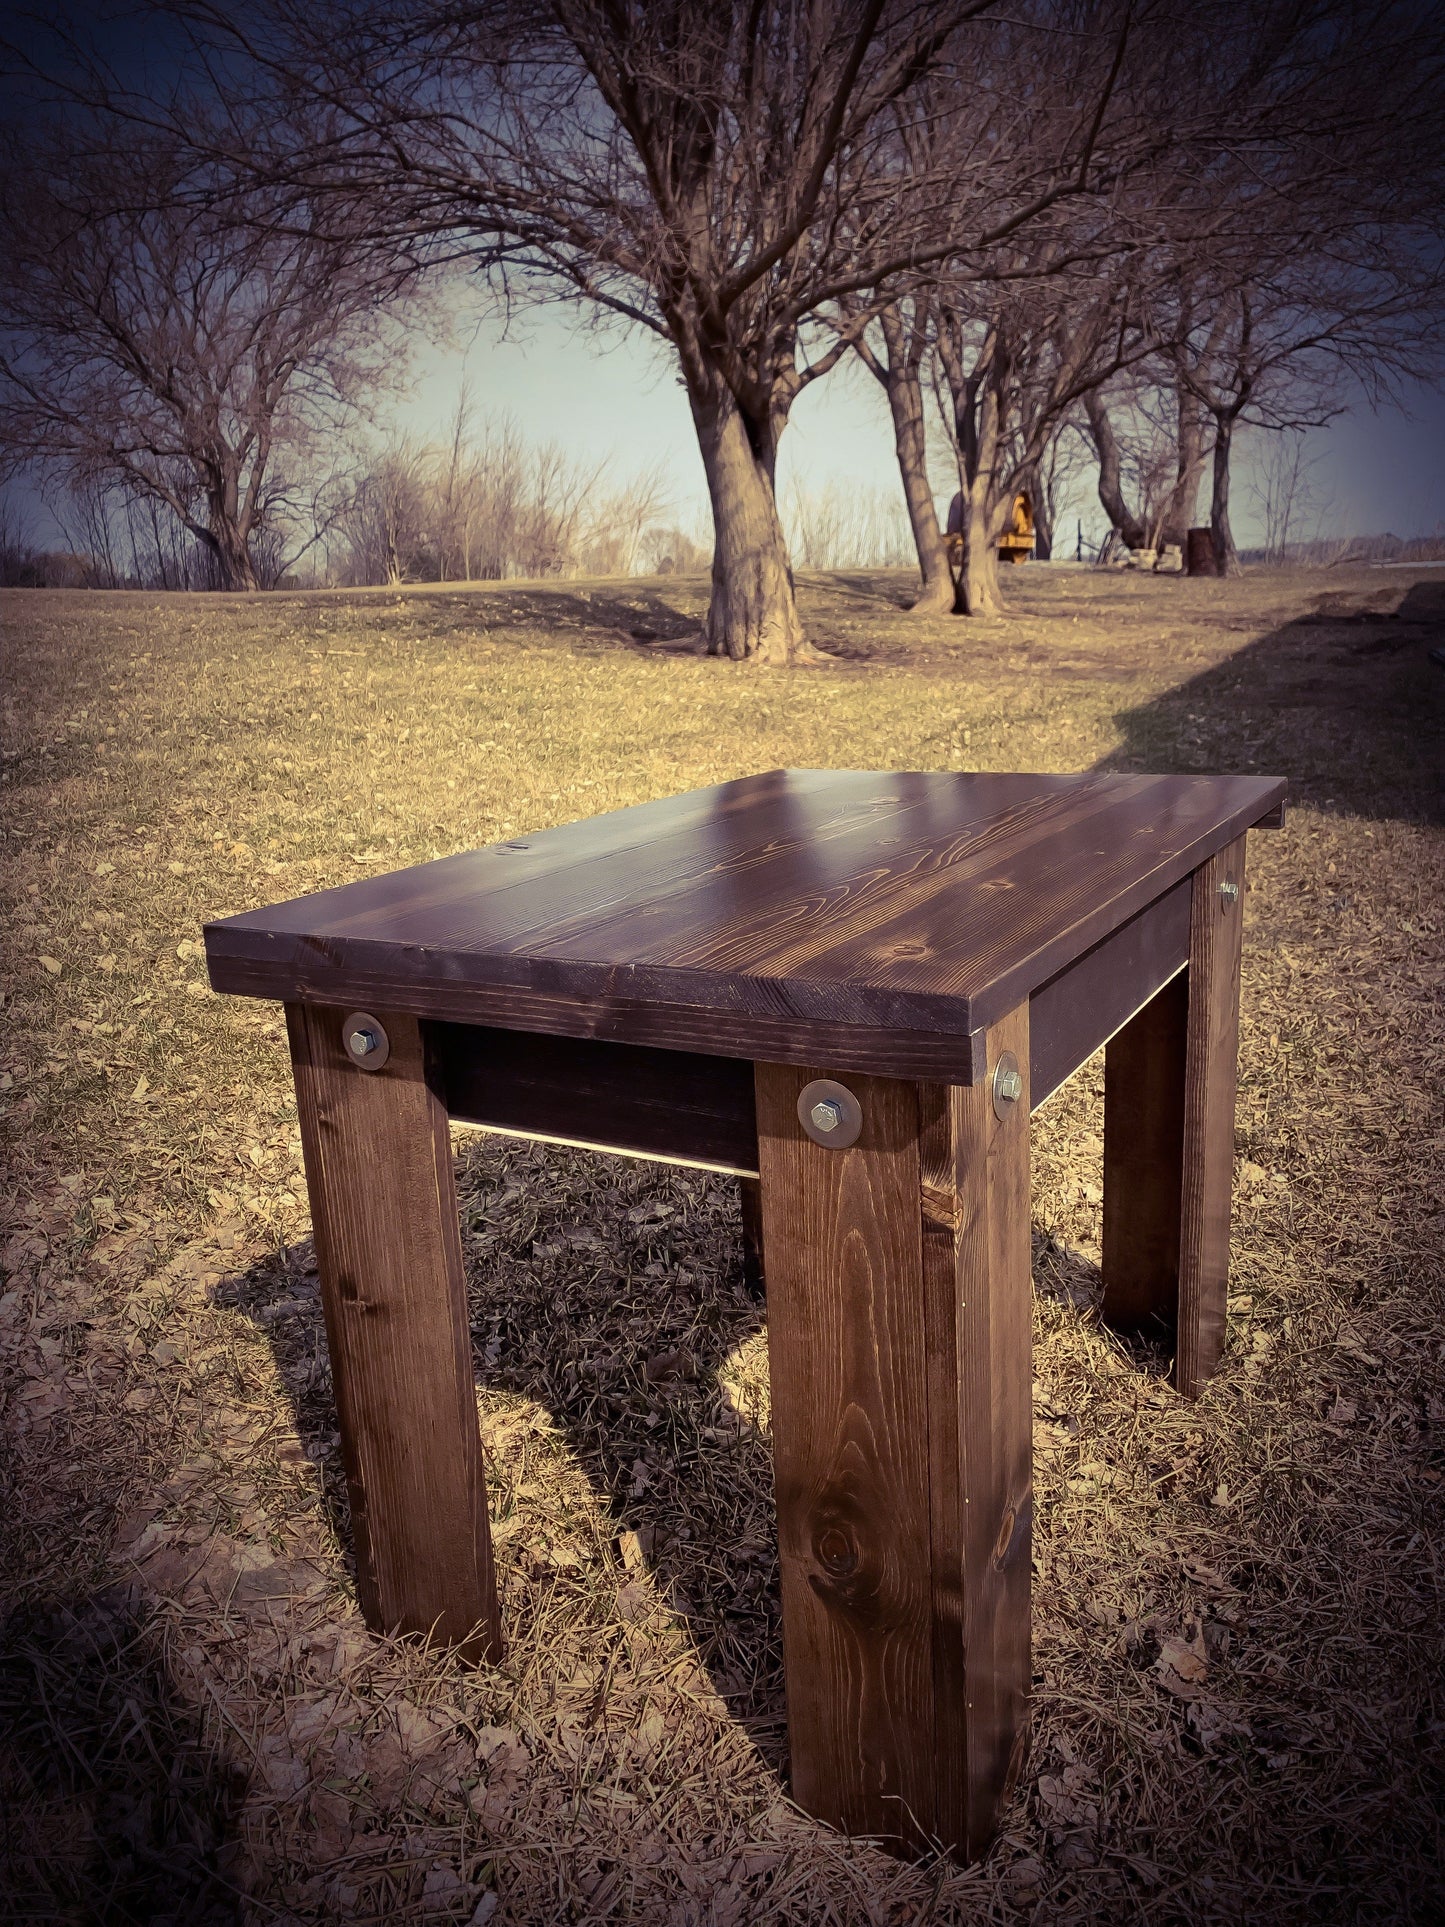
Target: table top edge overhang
[246, 957]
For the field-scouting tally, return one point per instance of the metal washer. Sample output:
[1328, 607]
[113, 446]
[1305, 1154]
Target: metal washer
[1006, 1085]
[823, 1090]
[375, 1058]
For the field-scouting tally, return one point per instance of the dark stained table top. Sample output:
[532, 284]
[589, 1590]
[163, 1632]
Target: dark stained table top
[768, 917]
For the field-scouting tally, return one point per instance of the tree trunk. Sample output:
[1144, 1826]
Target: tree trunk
[1032, 484]
[904, 388]
[979, 592]
[985, 505]
[753, 612]
[230, 558]
[1226, 556]
[1111, 487]
[225, 534]
[1179, 516]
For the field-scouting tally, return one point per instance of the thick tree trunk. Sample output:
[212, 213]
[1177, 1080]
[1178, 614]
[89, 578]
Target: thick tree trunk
[1111, 485]
[1179, 516]
[1032, 483]
[978, 592]
[985, 505]
[230, 558]
[1226, 556]
[225, 534]
[753, 612]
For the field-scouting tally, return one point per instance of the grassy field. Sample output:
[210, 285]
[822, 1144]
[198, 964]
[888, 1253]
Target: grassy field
[1238, 1604]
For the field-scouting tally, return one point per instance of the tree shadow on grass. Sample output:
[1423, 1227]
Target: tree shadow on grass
[634, 614]
[113, 1809]
[1346, 701]
[610, 1293]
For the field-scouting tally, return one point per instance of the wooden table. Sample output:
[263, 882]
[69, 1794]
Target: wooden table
[935, 954]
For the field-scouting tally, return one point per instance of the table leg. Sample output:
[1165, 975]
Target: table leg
[899, 1320]
[1169, 1086]
[388, 1246]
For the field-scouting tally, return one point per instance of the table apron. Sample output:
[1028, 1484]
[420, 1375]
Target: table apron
[691, 1108]
[1077, 1012]
[676, 1105]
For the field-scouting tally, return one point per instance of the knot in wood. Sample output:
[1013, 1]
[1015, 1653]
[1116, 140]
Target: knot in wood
[837, 1551]
[1014, 1534]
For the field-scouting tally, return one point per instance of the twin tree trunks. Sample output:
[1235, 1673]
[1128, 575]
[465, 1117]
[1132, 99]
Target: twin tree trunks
[897, 1273]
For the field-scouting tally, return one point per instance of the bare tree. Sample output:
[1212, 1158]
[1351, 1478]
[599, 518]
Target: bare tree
[1286, 492]
[896, 359]
[1314, 261]
[185, 350]
[616, 539]
[839, 527]
[1147, 433]
[719, 174]
[1013, 363]
[488, 506]
[1283, 343]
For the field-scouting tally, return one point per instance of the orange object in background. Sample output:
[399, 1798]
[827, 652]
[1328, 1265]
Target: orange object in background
[1016, 544]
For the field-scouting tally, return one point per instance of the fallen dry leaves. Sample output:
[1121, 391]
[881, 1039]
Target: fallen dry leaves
[1237, 1603]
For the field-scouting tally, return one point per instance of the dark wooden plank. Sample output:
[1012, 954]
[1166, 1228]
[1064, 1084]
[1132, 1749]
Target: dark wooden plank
[1211, 1062]
[1144, 1163]
[388, 1244]
[782, 1040]
[1169, 1087]
[1080, 1009]
[848, 1367]
[990, 1405]
[797, 902]
[625, 1097]
[898, 1332]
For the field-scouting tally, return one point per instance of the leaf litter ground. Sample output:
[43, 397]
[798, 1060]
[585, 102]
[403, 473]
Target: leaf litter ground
[1237, 1646]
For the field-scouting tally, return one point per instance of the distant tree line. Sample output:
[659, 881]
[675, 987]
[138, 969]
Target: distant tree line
[1105, 231]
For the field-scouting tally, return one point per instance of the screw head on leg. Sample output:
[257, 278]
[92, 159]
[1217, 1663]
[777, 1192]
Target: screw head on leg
[1229, 891]
[365, 1041]
[830, 1113]
[1008, 1085]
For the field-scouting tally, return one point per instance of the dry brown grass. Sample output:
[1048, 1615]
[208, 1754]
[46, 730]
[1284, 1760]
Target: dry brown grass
[1237, 1603]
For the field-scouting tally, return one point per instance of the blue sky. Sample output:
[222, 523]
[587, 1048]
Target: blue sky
[602, 396]
[605, 396]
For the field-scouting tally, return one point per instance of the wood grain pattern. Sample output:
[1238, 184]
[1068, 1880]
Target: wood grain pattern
[847, 1358]
[991, 1405]
[388, 1245]
[1144, 1164]
[902, 905]
[714, 1033]
[898, 1334]
[1210, 1070]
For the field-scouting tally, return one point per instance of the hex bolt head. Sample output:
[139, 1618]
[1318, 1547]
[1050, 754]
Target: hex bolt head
[1229, 891]
[364, 1039]
[830, 1113]
[1008, 1085]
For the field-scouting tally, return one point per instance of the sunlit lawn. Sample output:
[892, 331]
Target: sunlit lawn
[1237, 1614]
